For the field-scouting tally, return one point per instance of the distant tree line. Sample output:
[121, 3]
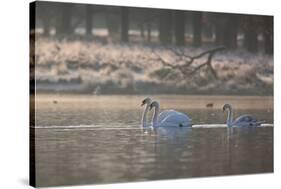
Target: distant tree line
[173, 26]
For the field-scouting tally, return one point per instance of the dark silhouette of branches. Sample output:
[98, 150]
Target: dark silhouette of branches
[185, 68]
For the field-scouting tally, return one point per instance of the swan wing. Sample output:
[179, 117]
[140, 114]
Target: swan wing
[176, 119]
[165, 114]
[246, 120]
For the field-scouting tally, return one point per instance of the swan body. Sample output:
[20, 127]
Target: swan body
[168, 118]
[242, 121]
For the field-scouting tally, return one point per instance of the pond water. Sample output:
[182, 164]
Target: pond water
[87, 139]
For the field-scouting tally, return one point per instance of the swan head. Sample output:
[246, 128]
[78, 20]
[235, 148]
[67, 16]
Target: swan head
[154, 104]
[227, 107]
[147, 100]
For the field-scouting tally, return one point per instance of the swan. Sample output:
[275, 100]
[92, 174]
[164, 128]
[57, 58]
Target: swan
[242, 121]
[168, 118]
[162, 116]
[146, 101]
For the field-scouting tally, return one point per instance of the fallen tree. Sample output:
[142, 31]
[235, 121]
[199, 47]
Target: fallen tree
[185, 68]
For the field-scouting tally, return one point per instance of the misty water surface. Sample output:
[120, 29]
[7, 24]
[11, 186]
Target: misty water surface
[84, 139]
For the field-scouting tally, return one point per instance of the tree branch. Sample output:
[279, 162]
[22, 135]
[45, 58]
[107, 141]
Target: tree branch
[183, 68]
[164, 62]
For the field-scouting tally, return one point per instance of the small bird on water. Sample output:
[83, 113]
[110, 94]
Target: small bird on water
[209, 105]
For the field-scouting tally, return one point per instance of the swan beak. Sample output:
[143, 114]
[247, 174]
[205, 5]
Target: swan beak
[150, 107]
[142, 103]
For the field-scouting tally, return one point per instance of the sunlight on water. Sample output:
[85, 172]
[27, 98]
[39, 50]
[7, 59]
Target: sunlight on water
[122, 110]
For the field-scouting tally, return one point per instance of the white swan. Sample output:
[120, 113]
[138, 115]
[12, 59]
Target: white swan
[162, 116]
[146, 101]
[168, 118]
[244, 120]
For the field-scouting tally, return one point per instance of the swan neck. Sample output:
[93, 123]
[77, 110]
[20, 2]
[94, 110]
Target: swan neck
[143, 120]
[155, 116]
[229, 116]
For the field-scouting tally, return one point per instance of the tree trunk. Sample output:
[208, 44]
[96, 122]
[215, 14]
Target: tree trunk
[112, 23]
[124, 24]
[148, 32]
[268, 35]
[251, 35]
[89, 20]
[142, 31]
[251, 41]
[165, 27]
[44, 11]
[46, 25]
[208, 31]
[219, 34]
[64, 26]
[197, 29]
[219, 26]
[268, 43]
[231, 31]
[179, 27]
